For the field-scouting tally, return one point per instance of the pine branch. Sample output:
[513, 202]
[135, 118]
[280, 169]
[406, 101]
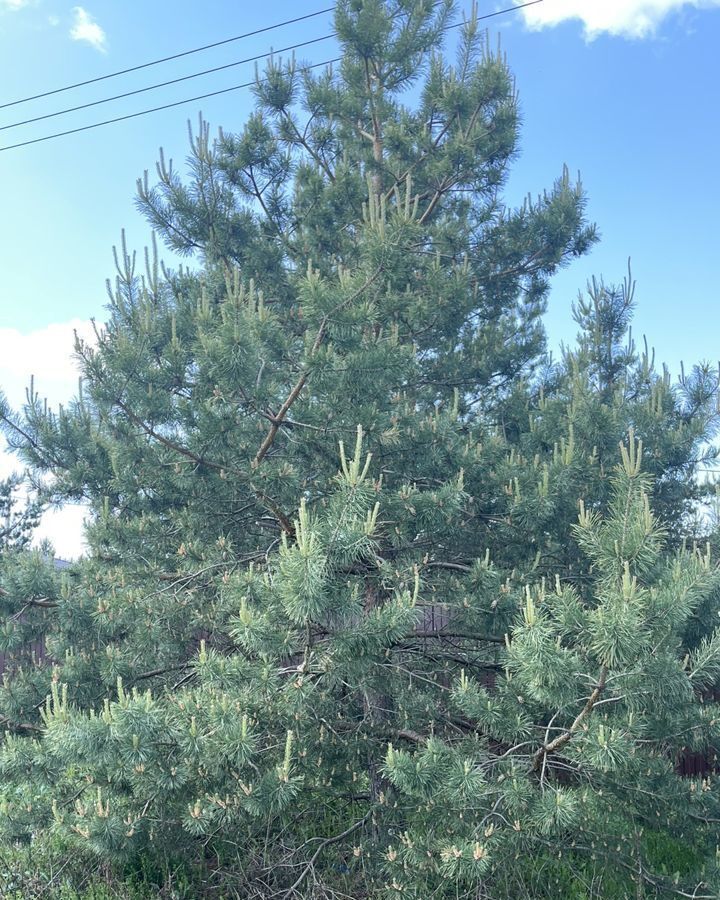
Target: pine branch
[300, 383]
[461, 635]
[302, 140]
[154, 673]
[440, 564]
[326, 843]
[41, 602]
[171, 445]
[561, 740]
[436, 198]
[411, 735]
[258, 192]
[20, 727]
[282, 519]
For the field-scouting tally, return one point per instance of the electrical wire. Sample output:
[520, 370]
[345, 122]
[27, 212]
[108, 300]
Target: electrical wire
[157, 62]
[236, 87]
[153, 87]
[145, 112]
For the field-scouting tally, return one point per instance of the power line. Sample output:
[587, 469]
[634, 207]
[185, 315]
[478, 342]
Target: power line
[237, 87]
[145, 112]
[152, 87]
[157, 62]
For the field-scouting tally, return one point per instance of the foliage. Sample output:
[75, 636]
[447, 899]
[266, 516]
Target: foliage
[51, 869]
[18, 517]
[379, 600]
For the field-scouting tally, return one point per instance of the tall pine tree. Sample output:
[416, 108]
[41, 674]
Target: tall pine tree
[344, 628]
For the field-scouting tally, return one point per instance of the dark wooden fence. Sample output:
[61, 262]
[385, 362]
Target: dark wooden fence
[34, 652]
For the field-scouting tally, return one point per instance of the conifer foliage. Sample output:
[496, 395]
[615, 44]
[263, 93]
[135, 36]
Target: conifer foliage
[18, 514]
[378, 602]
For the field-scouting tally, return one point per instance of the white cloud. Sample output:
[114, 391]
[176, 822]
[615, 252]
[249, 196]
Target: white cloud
[13, 5]
[85, 28]
[628, 18]
[46, 354]
[64, 529]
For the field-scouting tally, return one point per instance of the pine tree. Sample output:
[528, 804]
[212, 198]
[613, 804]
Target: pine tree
[340, 628]
[564, 426]
[19, 512]
[25, 577]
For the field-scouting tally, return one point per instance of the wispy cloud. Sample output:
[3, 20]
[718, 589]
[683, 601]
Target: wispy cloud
[46, 354]
[627, 18]
[13, 5]
[85, 28]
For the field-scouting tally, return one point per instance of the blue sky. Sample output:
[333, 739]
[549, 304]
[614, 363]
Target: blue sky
[624, 91]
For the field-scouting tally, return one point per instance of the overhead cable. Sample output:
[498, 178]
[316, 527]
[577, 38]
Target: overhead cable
[153, 87]
[146, 112]
[236, 87]
[164, 59]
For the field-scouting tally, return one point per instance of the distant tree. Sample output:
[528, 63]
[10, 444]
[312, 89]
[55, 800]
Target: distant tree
[378, 601]
[566, 422]
[18, 516]
[24, 578]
